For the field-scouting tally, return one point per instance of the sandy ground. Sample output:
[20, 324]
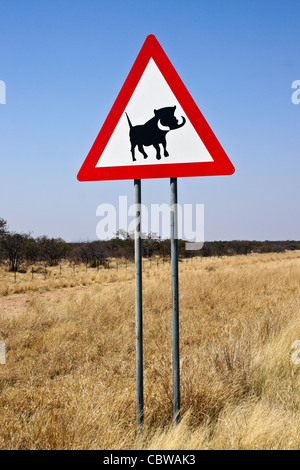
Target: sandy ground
[15, 304]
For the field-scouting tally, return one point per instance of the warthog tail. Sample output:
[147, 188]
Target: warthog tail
[129, 122]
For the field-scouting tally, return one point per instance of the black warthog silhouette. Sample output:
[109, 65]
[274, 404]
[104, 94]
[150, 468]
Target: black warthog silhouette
[154, 131]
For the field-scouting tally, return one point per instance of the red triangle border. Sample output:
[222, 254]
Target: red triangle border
[221, 165]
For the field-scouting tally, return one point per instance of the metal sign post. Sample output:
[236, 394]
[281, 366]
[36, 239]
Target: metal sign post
[175, 299]
[134, 123]
[138, 307]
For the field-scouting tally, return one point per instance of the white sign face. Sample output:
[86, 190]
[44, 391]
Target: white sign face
[183, 144]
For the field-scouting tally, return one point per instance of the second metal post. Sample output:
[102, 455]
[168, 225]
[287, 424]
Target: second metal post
[175, 299]
[138, 307]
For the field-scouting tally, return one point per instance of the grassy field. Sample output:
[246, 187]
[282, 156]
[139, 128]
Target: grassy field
[69, 380]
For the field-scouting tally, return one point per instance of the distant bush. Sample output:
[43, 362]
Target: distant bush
[16, 248]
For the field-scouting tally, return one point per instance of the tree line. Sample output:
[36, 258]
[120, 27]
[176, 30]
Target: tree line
[17, 249]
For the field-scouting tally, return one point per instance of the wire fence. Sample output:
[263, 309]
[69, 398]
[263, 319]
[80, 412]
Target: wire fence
[74, 269]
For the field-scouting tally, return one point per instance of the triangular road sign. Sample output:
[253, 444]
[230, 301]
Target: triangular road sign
[154, 129]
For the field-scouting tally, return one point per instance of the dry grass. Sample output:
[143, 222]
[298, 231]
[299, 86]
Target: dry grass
[69, 381]
[59, 278]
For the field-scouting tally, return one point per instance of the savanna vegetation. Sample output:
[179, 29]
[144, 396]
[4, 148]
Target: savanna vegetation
[69, 378]
[18, 250]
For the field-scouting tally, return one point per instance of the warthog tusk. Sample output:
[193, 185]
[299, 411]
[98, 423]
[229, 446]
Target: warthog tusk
[162, 127]
[182, 124]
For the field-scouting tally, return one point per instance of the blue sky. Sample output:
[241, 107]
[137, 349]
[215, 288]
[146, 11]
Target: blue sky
[64, 63]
